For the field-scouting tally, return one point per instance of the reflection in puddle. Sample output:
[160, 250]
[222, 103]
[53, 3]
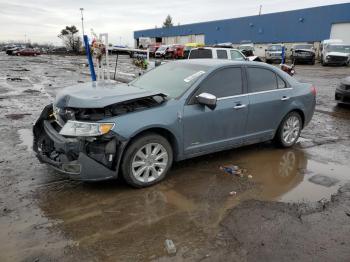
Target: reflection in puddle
[26, 136]
[320, 181]
[187, 207]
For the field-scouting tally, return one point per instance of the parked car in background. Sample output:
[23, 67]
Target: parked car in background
[179, 110]
[27, 52]
[248, 51]
[12, 50]
[216, 53]
[58, 50]
[190, 46]
[326, 42]
[153, 49]
[303, 53]
[335, 54]
[342, 93]
[273, 53]
[175, 51]
[162, 50]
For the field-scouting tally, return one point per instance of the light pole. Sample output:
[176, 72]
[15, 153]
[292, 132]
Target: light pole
[82, 20]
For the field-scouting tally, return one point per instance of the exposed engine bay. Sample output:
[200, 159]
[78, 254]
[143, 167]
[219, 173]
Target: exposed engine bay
[95, 114]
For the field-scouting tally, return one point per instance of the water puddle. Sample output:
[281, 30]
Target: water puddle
[289, 176]
[190, 204]
[26, 136]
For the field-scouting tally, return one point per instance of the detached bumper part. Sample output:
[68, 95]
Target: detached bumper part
[70, 155]
[84, 168]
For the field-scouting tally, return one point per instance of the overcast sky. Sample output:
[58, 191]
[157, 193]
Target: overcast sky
[41, 21]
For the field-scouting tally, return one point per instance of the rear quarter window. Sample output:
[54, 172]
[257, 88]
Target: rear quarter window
[200, 53]
[261, 79]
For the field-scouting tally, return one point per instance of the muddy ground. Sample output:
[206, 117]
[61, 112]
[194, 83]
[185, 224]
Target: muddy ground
[285, 212]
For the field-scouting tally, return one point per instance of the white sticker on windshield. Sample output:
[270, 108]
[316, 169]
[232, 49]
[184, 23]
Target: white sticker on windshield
[194, 76]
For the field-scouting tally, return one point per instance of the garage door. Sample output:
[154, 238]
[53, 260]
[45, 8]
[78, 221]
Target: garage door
[341, 31]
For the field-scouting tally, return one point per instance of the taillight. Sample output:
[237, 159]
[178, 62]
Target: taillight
[313, 90]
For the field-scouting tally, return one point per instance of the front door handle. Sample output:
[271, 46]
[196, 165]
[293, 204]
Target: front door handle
[239, 106]
[285, 98]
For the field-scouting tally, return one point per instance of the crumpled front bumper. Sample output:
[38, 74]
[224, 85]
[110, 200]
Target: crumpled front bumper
[71, 156]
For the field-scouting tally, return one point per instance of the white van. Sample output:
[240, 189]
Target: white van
[334, 51]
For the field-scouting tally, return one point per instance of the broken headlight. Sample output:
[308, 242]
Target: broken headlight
[76, 128]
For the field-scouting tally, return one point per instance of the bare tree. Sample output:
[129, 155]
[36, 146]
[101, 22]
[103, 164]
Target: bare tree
[70, 38]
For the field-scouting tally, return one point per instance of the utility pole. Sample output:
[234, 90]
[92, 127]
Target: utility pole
[82, 20]
[260, 9]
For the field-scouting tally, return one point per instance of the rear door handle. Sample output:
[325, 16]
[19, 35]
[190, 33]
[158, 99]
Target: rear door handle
[239, 106]
[285, 98]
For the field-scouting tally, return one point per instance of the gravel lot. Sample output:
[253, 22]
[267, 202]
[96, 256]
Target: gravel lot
[296, 207]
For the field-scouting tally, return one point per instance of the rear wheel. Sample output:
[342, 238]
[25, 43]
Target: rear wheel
[289, 130]
[147, 160]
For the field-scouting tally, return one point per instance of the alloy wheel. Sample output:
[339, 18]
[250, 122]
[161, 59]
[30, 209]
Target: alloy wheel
[149, 162]
[291, 129]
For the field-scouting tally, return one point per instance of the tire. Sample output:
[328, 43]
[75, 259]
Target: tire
[152, 170]
[268, 61]
[287, 122]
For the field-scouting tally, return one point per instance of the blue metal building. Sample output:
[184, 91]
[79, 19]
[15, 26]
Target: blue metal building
[304, 25]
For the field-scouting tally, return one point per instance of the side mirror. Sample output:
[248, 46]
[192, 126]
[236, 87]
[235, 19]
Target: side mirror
[207, 99]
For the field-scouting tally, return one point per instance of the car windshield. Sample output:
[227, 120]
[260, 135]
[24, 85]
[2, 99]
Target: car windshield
[303, 47]
[274, 48]
[162, 48]
[339, 48]
[171, 79]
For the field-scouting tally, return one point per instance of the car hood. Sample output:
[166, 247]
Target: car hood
[338, 54]
[99, 95]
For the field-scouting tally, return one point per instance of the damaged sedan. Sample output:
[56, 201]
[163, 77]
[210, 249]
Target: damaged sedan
[179, 110]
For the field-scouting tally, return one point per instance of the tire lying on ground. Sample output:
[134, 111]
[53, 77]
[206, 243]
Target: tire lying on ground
[147, 160]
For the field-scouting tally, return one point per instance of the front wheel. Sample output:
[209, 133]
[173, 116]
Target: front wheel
[289, 130]
[147, 160]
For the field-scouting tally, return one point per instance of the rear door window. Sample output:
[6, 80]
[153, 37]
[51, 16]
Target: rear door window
[280, 82]
[225, 82]
[261, 79]
[200, 53]
[221, 54]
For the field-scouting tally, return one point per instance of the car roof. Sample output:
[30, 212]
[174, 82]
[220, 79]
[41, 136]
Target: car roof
[220, 62]
[214, 64]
